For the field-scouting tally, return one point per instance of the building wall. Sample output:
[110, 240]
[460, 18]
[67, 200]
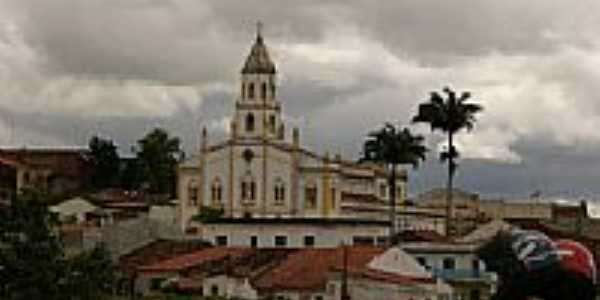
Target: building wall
[499, 209]
[325, 236]
[465, 278]
[185, 208]
[366, 289]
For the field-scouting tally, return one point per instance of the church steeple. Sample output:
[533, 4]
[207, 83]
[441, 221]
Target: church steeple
[258, 111]
[259, 61]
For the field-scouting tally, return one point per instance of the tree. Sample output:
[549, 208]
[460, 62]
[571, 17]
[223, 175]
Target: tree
[449, 115]
[30, 253]
[104, 161]
[158, 155]
[32, 260]
[90, 275]
[393, 147]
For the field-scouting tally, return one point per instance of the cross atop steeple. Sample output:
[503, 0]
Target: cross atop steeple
[259, 26]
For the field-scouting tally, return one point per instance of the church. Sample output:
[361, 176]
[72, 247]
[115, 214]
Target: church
[273, 191]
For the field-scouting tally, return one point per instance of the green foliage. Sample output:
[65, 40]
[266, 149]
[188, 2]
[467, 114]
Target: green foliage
[449, 115]
[32, 260]
[208, 214]
[393, 147]
[390, 145]
[104, 161]
[157, 156]
[31, 255]
[89, 275]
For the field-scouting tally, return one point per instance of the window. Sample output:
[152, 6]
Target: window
[254, 241]
[263, 91]
[248, 189]
[272, 124]
[382, 190]
[333, 197]
[249, 122]
[449, 263]
[475, 294]
[155, 283]
[273, 89]
[422, 261]
[363, 240]
[310, 197]
[193, 193]
[309, 241]
[280, 241]
[221, 240]
[318, 297]
[243, 91]
[216, 191]
[475, 264]
[279, 192]
[251, 90]
[214, 290]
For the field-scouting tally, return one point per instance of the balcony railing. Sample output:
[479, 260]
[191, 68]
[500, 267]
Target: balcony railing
[463, 274]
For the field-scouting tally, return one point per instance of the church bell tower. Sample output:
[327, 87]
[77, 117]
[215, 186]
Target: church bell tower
[257, 110]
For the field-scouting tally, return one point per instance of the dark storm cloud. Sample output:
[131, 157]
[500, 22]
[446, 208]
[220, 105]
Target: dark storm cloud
[71, 68]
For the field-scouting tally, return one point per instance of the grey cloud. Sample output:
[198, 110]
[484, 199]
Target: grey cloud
[120, 68]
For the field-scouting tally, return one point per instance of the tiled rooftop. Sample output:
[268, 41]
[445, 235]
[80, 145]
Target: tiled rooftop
[308, 269]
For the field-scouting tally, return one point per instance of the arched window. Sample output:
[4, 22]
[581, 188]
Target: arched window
[248, 189]
[216, 190]
[250, 122]
[310, 196]
[272, 85]
[192, 193]
[279, 191]
[333, 197]
[272, 122]
[251, 90]
[263, 91]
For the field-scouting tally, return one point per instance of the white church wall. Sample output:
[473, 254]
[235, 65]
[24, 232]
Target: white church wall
[185, 209]
[216, 167]
[325, 235]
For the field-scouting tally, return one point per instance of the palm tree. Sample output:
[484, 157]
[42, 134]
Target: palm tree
[449, 115]
[393, 146]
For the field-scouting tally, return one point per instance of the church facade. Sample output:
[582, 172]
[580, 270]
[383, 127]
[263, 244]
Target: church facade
[263, 179]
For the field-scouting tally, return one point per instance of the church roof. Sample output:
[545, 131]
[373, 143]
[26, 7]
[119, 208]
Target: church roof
[258, 61]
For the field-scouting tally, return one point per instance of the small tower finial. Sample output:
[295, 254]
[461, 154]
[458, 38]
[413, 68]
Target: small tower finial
[259, 26]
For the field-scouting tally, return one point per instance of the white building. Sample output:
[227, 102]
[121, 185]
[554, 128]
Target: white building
[258, 173]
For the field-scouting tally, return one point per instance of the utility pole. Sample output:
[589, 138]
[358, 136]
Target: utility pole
[344, 294]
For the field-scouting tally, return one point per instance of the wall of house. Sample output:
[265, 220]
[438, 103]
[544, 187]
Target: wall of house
[325, 236]
[465, 278]
[366, 289]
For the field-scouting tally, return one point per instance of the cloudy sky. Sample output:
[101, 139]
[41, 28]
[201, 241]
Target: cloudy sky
[70, 69]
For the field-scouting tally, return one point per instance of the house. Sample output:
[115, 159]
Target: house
[151, 277]
[457, 265]
[75, 210]
[294, 232]
[8, 179]
[393, 274]
[259, 173]
[57, 171]
[283, 273]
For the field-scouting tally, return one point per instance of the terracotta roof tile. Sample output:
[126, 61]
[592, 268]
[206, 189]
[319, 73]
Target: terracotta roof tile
[157, 251]
[190, 260]
[308, 269]
[388, 277]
